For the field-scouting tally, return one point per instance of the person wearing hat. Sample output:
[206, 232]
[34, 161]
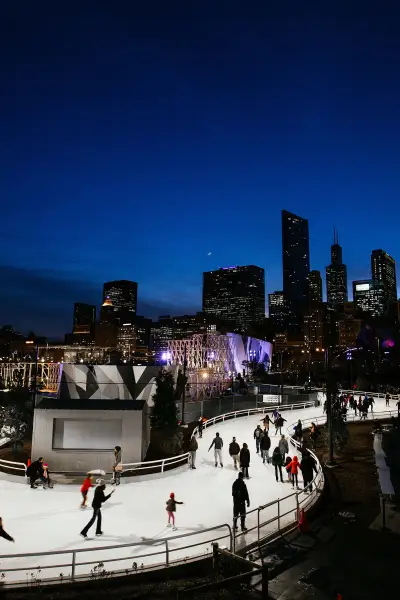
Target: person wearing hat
[98, 499]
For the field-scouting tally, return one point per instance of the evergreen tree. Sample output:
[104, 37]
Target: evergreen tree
[164, 412]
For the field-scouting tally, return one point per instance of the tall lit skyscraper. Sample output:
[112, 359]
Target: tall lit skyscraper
[123, 296]
[315, 287]
[369, 297]
[383, 268]
[235, 295]
[336, 277]
[276, 311]
[296, 267]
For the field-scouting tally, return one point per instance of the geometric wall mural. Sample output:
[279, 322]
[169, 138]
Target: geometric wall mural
[107, 382]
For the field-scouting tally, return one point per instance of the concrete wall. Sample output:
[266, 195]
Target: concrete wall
[134, 439]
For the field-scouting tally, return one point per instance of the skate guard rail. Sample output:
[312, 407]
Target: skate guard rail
[93, 568]
[13, 466]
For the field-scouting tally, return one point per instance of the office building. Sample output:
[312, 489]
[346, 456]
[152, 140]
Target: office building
[315, 287]
[123, 295]
[126, 340]
[142, 329]
[383, 269]
[276, 311]
[235, 296]
[369, 297]
[336, 277]
[162, 332]
[314, 327]
[296, 268]
[83, 327]
[349, 329]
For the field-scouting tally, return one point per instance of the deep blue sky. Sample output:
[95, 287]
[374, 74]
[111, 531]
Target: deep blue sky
[137, 137]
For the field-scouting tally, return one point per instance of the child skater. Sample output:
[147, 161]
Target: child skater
[288, 469]
[171, 509]
[86, 485]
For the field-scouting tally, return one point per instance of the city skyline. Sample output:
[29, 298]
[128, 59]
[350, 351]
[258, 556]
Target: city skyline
[159, 169]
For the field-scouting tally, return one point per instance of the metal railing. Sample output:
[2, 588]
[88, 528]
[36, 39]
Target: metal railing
[13, 466]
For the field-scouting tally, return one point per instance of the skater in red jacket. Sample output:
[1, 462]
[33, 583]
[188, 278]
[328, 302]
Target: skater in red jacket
[171, 508]
[293, 467]
[86, 485]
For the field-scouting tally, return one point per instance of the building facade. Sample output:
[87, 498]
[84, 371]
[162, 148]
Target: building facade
[315, 287]
[336, 277]
[383, 269]
[369, 297]
[235, 296]
[123, 296]
[276, 310]
[296, 268]
[84, 321]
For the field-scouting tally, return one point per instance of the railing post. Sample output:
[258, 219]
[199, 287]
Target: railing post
[297, 506]
[264, 581]
[73, 565]
[279, 515]
[162, 466]
[258, 523]
[166, 554]
[216, 557]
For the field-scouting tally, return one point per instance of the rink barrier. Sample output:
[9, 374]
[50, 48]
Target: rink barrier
[74, 564]
[13, 466]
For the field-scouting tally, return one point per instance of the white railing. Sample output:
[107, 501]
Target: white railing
[13, 466]
[180, 460]
[119, 559]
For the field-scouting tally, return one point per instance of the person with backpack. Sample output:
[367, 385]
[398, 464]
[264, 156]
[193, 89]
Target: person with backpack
[234, 451]
[98, 499]
[257, 436]
[240, 497]
[265, 445]
[277, 461]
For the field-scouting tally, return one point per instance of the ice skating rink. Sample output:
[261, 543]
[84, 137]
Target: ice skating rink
[50, 520]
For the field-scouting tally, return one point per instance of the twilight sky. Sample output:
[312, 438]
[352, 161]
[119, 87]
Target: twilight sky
[138, 137]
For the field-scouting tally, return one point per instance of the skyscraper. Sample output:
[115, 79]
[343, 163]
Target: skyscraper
[123, 295]
[84, 321]
[383, 268]
[369, 297]
[296, 268]
[336, 277]
[315, 287]
[276, 311]
[235, 295]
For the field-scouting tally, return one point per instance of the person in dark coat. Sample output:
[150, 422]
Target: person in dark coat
[193, 447]
[298, 431]
[279, 424]
[265, 445]
[277, 461]
[200, 427]
[258, 433]
[244, 458]
[4, 533]
[234, 451]
[218, 445]
[98, 499]
[35, 471]
[266, 421]
[240, 498]
[307, 466]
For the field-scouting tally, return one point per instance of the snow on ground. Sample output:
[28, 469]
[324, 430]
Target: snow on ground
[50, 520]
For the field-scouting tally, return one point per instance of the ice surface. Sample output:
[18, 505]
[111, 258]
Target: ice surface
[50, 520]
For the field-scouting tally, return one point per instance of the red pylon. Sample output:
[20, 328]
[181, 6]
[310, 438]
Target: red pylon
[339, 597]
[29, 462]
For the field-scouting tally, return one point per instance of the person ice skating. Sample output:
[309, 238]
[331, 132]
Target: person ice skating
[294, 470]
[35, 471]
[240, 498]
[275, 414]
[307, 467]
[279, 424]
[234, 451]
[387, 398]
[244, 458]
[218, 445]
[171, 509]
[277, 461]
[4, 533]
[193, 446]
[117, 466]
[265, 445]
[266, 421]
[45, 476]
[314, 434]
[98, 499]
[283, 446]
[298, 431]
[288, 461]
[200, 427]
[86, 485]
[257, 436]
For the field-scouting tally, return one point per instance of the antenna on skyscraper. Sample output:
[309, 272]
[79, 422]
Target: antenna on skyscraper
[335, 236]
